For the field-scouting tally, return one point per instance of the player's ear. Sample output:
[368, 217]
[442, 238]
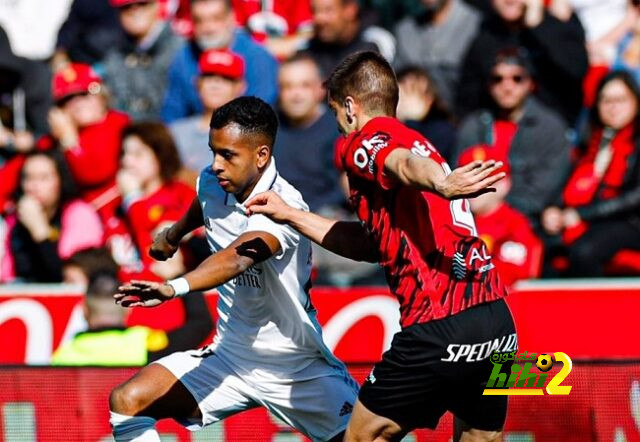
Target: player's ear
[263, 153]
[349, 109]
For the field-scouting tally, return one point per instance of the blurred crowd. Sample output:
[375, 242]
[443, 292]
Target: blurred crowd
[105, 108]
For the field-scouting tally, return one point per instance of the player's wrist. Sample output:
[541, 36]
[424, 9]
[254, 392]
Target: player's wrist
[179, 286]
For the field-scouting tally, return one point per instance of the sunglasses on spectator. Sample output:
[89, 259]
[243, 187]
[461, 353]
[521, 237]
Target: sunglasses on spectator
[518, 79]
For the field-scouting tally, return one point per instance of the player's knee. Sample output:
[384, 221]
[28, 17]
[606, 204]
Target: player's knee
[127, 399]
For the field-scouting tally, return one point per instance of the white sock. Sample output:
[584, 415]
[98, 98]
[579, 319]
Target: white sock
[133, 428]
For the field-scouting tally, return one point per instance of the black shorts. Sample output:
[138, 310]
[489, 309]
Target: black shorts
[443, 365]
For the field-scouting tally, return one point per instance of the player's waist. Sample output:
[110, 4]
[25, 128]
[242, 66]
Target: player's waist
[413, 315]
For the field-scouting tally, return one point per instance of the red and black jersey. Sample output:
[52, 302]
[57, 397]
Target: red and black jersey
[434, 262]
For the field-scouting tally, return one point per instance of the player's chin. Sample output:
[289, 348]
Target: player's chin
[227, 186]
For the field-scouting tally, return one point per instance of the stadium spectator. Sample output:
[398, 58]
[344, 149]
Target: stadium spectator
[14, 141]
[387, 13]
[136, 71]
[88, 132]
[49, 224]
[308, 132]
[437, 40]
[83, 265]
[598, 214]
[214, 27]
[557, 52]
[421, 108]
[109, 342]
[32, 26]
[605, 22]
[152, 196]
[221, 80]
[338, 32]
[90, 30]
[282, 26]
[515, 249]
[519, 130]
[304, 151]
[25, 87]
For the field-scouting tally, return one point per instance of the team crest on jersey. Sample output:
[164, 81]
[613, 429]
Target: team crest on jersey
[365, 155]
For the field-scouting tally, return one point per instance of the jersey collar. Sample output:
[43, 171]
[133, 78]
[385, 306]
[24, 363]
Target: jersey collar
[265, 183]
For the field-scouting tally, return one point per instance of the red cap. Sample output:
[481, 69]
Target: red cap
[76, 78]
[480, 152]
[121, 3]
[224, 63]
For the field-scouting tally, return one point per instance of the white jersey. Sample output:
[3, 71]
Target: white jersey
[266, 319]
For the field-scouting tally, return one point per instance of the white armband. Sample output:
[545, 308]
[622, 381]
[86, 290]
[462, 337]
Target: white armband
[180, 286]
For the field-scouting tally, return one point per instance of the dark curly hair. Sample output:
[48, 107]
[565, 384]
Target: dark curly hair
[252, 115]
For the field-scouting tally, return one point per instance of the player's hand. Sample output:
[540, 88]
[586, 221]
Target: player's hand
[143, 294]
[162, 248]
[269, 204]
[471, 180]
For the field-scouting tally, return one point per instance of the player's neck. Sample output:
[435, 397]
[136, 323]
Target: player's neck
[363, 119]
[244, 194]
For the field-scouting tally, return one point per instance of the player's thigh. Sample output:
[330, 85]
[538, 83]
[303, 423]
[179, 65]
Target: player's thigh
[153, 391]
[217, 389]
[365, 425]
[318, 401]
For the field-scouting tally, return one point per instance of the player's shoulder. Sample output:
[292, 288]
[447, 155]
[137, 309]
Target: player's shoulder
[385, 130]
[289, 193]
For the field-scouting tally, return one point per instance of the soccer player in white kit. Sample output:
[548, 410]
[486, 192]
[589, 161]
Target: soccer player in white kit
[268, 350]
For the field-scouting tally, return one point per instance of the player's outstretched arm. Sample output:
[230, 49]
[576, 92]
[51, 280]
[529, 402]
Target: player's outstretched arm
[165, 244]
[348, 239]
[250, 248]
[424, 173]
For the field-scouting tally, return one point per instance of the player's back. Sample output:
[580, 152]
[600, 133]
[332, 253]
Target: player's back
[434, 262]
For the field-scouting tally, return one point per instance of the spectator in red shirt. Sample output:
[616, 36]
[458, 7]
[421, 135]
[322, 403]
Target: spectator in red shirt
[598, 212]
[152, 196]
[88, 132]
[283, 26]
[514, 247]
[50, 223]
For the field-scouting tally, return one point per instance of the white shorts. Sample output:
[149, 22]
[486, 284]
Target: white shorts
[318, 402]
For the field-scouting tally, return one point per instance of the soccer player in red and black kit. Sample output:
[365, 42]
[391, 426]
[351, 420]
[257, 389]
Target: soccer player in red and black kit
[416, 224]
